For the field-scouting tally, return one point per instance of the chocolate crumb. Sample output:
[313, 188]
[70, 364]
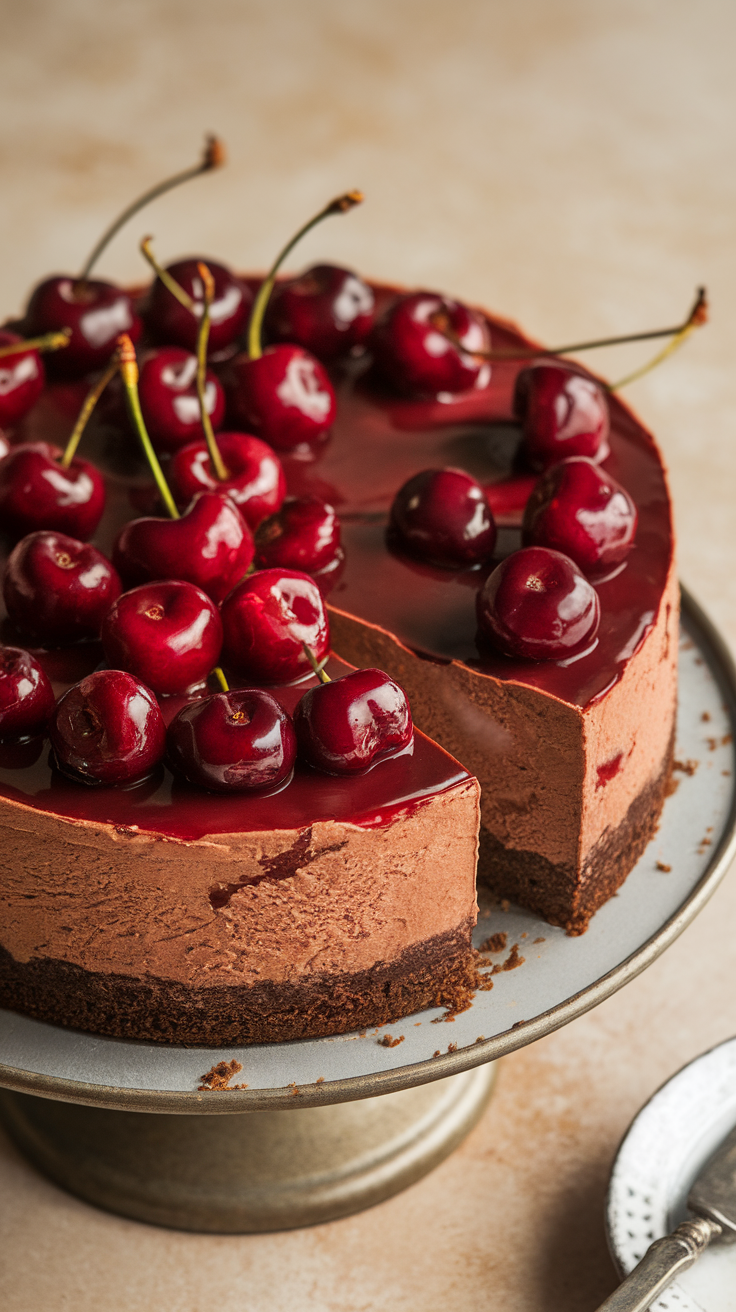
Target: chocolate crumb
[218, 1077]
[662, 865]
[437, 1053]
[712, 744]
[517, 1023]
[496, 943]
[540, 940]
[481, 1038]
[705, 717]
[685, 767]
[512, 961]
[726, 739]
[505, 904]
[726, 774]
[672, 786]
[386, 1041]
[320, 1079]
[452, 1047]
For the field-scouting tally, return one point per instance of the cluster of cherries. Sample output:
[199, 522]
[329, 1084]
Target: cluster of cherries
[579, 524]
[164, 638]
[180, 594]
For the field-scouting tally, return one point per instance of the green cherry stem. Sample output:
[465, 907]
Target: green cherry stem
[208, 283]
[128, 366]
[317, 666]
[213, 157]
[220, 676]
[697, 317]
[93, 396]
[163, 274]
[340, 205]
[47, 342]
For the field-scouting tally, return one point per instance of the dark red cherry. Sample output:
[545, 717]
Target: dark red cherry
[96, 312]
[21, 381]
[58, 589]
[233, 741]
[4, 445]
[167, 389]
[285, 396]
[443, 516]
[350, 724]
[170, 321]
[168, 634]
[108, 729]
[538, 605]
[26, 696]
[210, 546]
[412, 349]
[267, 620]
[304, 535]
[256, 484]
[562, 413]
[579, 509]
[328, 310]
[36, 493]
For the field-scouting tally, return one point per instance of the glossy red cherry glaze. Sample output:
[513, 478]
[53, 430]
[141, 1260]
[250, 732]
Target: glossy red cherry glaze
[327, 309]
[96, 312]
[35, 492]
[210, 546]
[443, 516]
[562, 413]
[304, 535]
[167, 388]
[21, 381]
[108, 729]
[169, 321]
[285, 396]
[167, 634]
[351, 724]
[423, 345]
[4, 445]
[26, 696]
[268, 619]
[256, 482]
[235, 741]
[538, 605]
[579, 509]
[57, 589]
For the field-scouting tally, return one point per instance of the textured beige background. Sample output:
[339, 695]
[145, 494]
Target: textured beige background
[569, 163]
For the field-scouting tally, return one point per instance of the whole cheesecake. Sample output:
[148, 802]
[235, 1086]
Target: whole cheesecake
[167, 913]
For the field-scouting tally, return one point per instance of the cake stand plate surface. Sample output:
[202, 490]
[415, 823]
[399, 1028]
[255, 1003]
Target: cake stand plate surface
[560, 977]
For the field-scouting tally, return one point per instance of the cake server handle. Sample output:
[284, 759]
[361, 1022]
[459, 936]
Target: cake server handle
[663, 1260]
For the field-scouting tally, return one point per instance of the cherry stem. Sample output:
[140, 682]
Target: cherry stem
[93, 396]
[216, 460]
[163, 274]
[697, 316]
[220, 676]
[128, 366]
[48, 342]
[340, 205]
[317, 666]
[213, 157]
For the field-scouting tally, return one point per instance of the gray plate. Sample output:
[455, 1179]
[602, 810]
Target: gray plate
[561, 977]
[662, 1152]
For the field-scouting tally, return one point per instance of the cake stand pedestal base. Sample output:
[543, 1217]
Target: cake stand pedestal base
[252, 1171]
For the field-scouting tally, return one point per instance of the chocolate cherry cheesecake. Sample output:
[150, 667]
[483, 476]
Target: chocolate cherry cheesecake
[310, 515]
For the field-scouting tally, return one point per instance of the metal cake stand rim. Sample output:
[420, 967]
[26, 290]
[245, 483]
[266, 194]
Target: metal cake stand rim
[353, 1088]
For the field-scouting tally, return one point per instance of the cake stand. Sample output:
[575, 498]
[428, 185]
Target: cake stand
[323, 1127]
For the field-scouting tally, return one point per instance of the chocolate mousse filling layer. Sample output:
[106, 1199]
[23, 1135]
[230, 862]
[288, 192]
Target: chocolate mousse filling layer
[440, 972]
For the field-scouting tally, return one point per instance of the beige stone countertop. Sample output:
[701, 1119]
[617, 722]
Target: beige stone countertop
[570, 164]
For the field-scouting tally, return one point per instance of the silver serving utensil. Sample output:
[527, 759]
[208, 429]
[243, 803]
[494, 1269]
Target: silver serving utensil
[713, 1200]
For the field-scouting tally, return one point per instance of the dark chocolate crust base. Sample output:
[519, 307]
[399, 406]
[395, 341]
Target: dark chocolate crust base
[566, 897]
[438, 973]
